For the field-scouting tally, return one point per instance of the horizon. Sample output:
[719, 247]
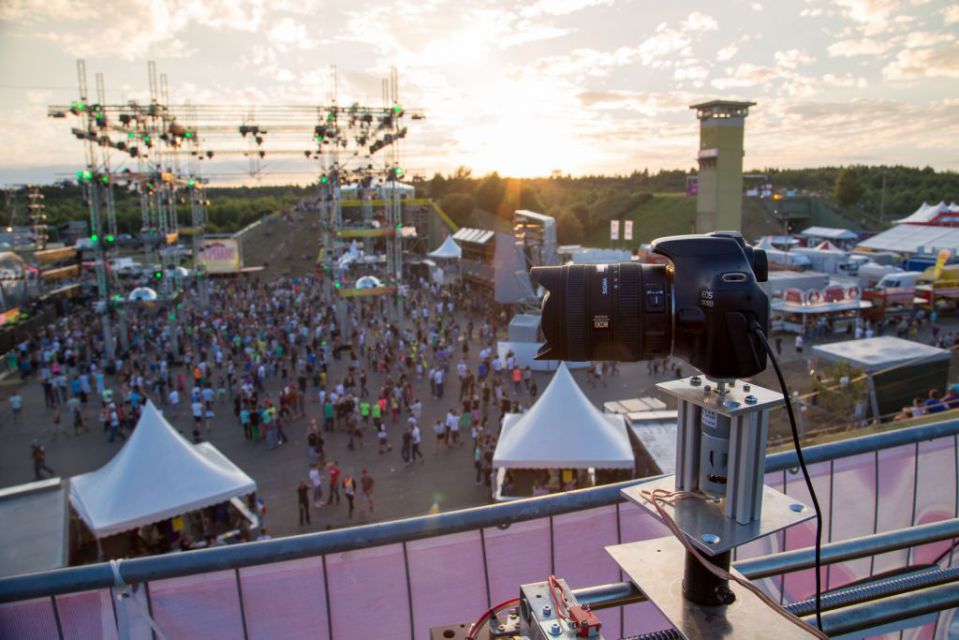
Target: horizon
[583, 87]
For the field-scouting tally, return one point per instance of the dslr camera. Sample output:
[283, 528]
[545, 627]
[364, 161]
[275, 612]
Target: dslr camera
[704, 307]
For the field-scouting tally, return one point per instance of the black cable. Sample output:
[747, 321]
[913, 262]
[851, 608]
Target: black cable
[802, 465]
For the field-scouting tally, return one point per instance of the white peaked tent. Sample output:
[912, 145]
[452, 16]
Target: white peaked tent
[563, 430]
[448, 250]
[825, 245]
[157, 474]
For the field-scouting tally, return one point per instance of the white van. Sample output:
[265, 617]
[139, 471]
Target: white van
[902, 280]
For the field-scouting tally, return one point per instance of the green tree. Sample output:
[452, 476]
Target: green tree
[569, 230]
[489, 192]
[458, 206]
[437, 186]
[847, 190]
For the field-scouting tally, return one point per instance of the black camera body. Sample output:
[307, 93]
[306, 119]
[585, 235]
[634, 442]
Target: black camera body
[703, 307]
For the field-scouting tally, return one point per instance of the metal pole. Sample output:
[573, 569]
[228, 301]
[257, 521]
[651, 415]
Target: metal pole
[799, 559]
[861, 617]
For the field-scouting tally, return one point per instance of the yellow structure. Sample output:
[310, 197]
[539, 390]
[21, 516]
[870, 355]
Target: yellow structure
[719, 201]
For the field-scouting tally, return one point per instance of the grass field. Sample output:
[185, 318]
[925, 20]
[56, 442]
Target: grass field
[667, 214]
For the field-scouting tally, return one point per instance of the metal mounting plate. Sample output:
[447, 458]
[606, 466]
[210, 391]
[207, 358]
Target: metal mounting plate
[699, 518]
[731, 404]
[656, 568]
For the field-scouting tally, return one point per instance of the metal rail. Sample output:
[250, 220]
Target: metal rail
[869, 615]
[98, 576]
[851, 549]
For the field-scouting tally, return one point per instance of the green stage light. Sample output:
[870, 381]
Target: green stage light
[131, 135]
[94, 238]
[158, 275]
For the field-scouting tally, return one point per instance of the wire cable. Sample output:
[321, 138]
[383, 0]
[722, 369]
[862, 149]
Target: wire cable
[487, 614]
[757, 330]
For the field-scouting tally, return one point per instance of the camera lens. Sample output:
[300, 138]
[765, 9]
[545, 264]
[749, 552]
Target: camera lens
[605, 312]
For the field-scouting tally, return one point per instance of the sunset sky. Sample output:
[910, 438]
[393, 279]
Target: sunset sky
[525, 88]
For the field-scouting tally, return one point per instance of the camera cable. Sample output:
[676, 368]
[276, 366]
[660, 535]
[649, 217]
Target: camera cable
[757, 330]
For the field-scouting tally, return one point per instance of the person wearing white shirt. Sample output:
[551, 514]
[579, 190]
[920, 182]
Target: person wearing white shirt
[452, 428]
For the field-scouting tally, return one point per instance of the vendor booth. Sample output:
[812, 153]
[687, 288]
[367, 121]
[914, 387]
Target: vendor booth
[157, 476]
[834, 308]
[562, 443]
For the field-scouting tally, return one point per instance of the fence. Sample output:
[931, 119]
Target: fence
[399, 579]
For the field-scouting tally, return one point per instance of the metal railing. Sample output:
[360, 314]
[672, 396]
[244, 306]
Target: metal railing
[550, 510]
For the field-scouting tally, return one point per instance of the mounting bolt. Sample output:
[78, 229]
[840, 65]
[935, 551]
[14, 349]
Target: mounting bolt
[695, 381]
[731, 404]
[751, 399]
[547, 611]
[746, 387]
[501, 627]
[707, 390]
[555, 629]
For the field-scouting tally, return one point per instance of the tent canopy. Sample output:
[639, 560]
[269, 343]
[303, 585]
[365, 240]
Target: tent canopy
[157, 474]
[448, 250]
[829, 233]
[914, 238]
[563, 430]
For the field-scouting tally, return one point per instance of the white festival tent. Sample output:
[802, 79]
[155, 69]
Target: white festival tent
[448, 250]
[157, 474]
[563, 430]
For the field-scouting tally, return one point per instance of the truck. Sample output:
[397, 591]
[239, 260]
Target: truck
[942, 291]
[893, 290]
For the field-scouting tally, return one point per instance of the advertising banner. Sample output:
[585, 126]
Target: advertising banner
[219, 255]
[614, 229]
[628, 230]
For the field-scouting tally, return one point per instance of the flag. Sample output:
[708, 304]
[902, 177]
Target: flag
[628, 230]
[941, 259]
[614, 229]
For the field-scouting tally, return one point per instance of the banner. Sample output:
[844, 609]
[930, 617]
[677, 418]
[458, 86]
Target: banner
[628, 230]
[941, 259]
[219, 255]
[614, 229]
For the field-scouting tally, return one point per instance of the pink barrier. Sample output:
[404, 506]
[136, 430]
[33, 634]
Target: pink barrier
[446, 576]
[442, 580]
[285, 600]
[87, 615]
[200, 606]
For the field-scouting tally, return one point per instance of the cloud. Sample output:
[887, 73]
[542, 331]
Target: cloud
[137, 28]
[873, 17]
[647, 103]
[697, 21]
[911, 64]
[861, 47]
[793, 58]
[950, 15]
[694, 72]
[755, 6]
[288, 33]
[746, 75]
[561, 7]
[727, 53]
[922, 39]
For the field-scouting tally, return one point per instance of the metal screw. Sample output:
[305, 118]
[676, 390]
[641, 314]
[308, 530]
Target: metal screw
[797, 507]
[502, 627]
[707, 390]
[746, 387]
[695, 381]
[710, 538]
[555, 629]
[751, 399]
[730, 404]
[547, 610]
